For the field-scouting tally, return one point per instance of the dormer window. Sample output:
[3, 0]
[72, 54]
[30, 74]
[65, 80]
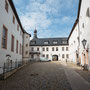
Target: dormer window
[55, 42]
[46, 42]
[64, 42]
[33, 42]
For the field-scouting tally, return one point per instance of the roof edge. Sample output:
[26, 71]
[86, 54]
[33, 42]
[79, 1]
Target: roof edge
[73, 28]
[16, 15]
[77, 20]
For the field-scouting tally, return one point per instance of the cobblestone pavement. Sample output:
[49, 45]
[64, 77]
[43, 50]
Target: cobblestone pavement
[76, 81]
[82, 73]
[38, 76]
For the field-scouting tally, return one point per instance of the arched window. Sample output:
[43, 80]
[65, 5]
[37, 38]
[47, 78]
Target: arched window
[88, 12]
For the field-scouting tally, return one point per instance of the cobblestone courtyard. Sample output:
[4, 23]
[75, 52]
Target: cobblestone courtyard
[39, 76]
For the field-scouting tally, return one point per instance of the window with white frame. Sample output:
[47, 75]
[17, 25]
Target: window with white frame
[33, 42]
[63, 56]
[4, 37]
[47, 56]
[47, 49]
[67, 55]
[66, 48]
[55, 42]
[64, 42]
[62, 48]
[46, 42]
[56, 48]
[37, 49]
[52, 48]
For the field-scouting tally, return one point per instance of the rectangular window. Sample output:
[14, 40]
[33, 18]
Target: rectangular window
[26, 36]
[26, 52]
[46, 49]
[66, 48]
[43, 55]
[6, 5]
[37, 55]
[63, 56]
[52, 48]
[17, 46]
[12, 43]
[56, 48]
[43, 49]
[4, 37]
[62, 48]
[17, 27]
[13, 20]
[67, 55]
[32, 56]
[47, 56]
[26, 45]
[20, 48]
[37, 49]
[32, 49]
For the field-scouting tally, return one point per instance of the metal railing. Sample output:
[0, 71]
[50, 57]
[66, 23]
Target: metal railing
[10, 65]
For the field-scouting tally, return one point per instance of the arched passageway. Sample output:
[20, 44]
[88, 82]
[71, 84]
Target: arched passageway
[55, 58]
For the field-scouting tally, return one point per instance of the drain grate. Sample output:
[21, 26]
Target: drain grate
[34, 74]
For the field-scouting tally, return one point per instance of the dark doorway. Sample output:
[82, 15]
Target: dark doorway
[55, 57]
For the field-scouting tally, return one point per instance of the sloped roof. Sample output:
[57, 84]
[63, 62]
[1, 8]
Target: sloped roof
[40, 41]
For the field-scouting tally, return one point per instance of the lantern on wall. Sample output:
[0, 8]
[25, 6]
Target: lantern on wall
[84, 43]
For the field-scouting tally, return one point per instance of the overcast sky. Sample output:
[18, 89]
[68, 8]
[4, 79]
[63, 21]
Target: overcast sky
[52, 18]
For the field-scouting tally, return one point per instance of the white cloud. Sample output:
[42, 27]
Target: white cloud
[39, 19]
[37, 14]
[40, 13]
[68, 19]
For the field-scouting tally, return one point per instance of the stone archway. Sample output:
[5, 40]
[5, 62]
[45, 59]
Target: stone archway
[55, 58]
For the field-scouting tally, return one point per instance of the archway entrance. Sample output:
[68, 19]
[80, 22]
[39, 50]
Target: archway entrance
[55, 57]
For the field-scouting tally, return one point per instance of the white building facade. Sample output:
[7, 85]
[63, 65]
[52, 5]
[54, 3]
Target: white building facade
[73, 40]
[12, 34]
[50, 48]
[84, 23]
[83, 30]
